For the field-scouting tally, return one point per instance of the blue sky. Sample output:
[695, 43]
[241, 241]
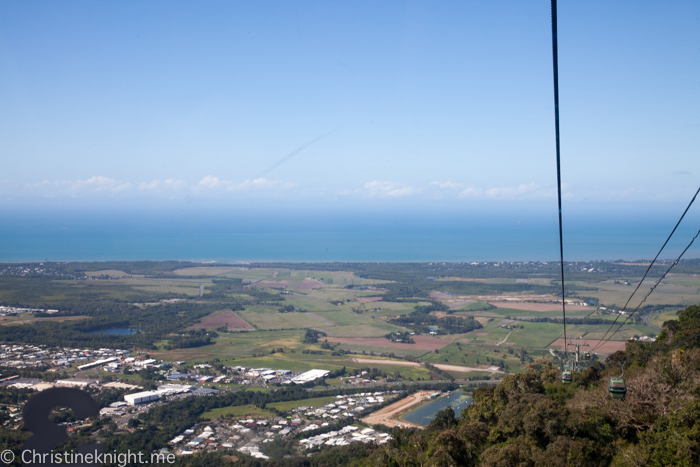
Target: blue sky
[347, 105]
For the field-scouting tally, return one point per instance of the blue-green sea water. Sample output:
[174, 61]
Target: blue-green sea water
[329, 236]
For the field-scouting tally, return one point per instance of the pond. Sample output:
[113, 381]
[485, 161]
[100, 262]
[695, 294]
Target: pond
[116, 331]
[424, 415]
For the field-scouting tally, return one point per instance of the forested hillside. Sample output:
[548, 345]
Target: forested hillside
[531, 419]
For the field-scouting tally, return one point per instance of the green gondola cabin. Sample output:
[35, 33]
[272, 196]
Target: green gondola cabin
[566, 377]
[617, 388]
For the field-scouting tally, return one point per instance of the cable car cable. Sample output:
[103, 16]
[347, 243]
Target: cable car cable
[648, 269]
[675, 262]
[555, 68]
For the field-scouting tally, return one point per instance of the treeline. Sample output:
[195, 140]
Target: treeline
[156, 322]
[438, 371]
[191, 339]
[421, 321]
[311, 336]
[221, 288]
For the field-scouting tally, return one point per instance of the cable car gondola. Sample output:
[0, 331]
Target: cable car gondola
[566, 377]
[617, 388]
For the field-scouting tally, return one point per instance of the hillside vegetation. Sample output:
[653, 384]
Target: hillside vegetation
[531, 419]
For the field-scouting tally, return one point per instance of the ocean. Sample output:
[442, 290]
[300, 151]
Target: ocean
[329, 236]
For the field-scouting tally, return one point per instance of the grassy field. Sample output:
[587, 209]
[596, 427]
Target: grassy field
[267, 317]
[508, 312]
[377, 329]
[310, 304]
[244, 411]
[313, 402]
[346, 318]
[386, 308]
[663, 317]
[474, 355]
[682, 291]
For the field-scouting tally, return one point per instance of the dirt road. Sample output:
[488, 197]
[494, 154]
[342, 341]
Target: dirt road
[442, 366]
[465, 369]
[384, 362]
[386, 415]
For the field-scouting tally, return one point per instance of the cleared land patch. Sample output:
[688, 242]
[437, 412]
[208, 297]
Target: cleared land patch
[203, 271]
[384, 362]
[228, 319]
[387, 415]
[320, 319]
[607, 348]
[455, 368]
[267, 319]
[539, 306]
[309, 284]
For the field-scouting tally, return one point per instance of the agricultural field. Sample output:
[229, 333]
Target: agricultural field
[354, 314]
[223, 318]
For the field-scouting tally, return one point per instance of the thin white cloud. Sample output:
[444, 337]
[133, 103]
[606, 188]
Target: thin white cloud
[95, 184]
[383, 189]
[163, 185]
[529, 191]
[212, 182]
[260, 183]
[446, 185]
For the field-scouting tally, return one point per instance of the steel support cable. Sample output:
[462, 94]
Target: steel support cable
[647, 271]
[675, 262]
[555, 67]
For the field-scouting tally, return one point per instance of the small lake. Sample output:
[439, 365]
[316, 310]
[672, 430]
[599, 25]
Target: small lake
[425, 414]
[116, 331]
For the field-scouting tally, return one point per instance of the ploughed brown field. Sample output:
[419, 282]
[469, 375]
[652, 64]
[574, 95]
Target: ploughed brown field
[607, 348]
[230, 319]
[309, 284]
[369, 299]
[539, 306]
[422, 342]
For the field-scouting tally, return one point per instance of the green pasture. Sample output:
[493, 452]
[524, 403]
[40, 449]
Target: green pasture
[386, 308]
[668, 293]
[511, 312]
[312, 402]
[328, 294]
[473, 355]
[309, 304]
[535, 335]
[661, 318]
[243, 411]
[345, 318]
[266, 317]
[375, 329]
[380, 350]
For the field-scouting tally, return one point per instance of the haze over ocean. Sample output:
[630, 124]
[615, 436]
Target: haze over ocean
[329, 236]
